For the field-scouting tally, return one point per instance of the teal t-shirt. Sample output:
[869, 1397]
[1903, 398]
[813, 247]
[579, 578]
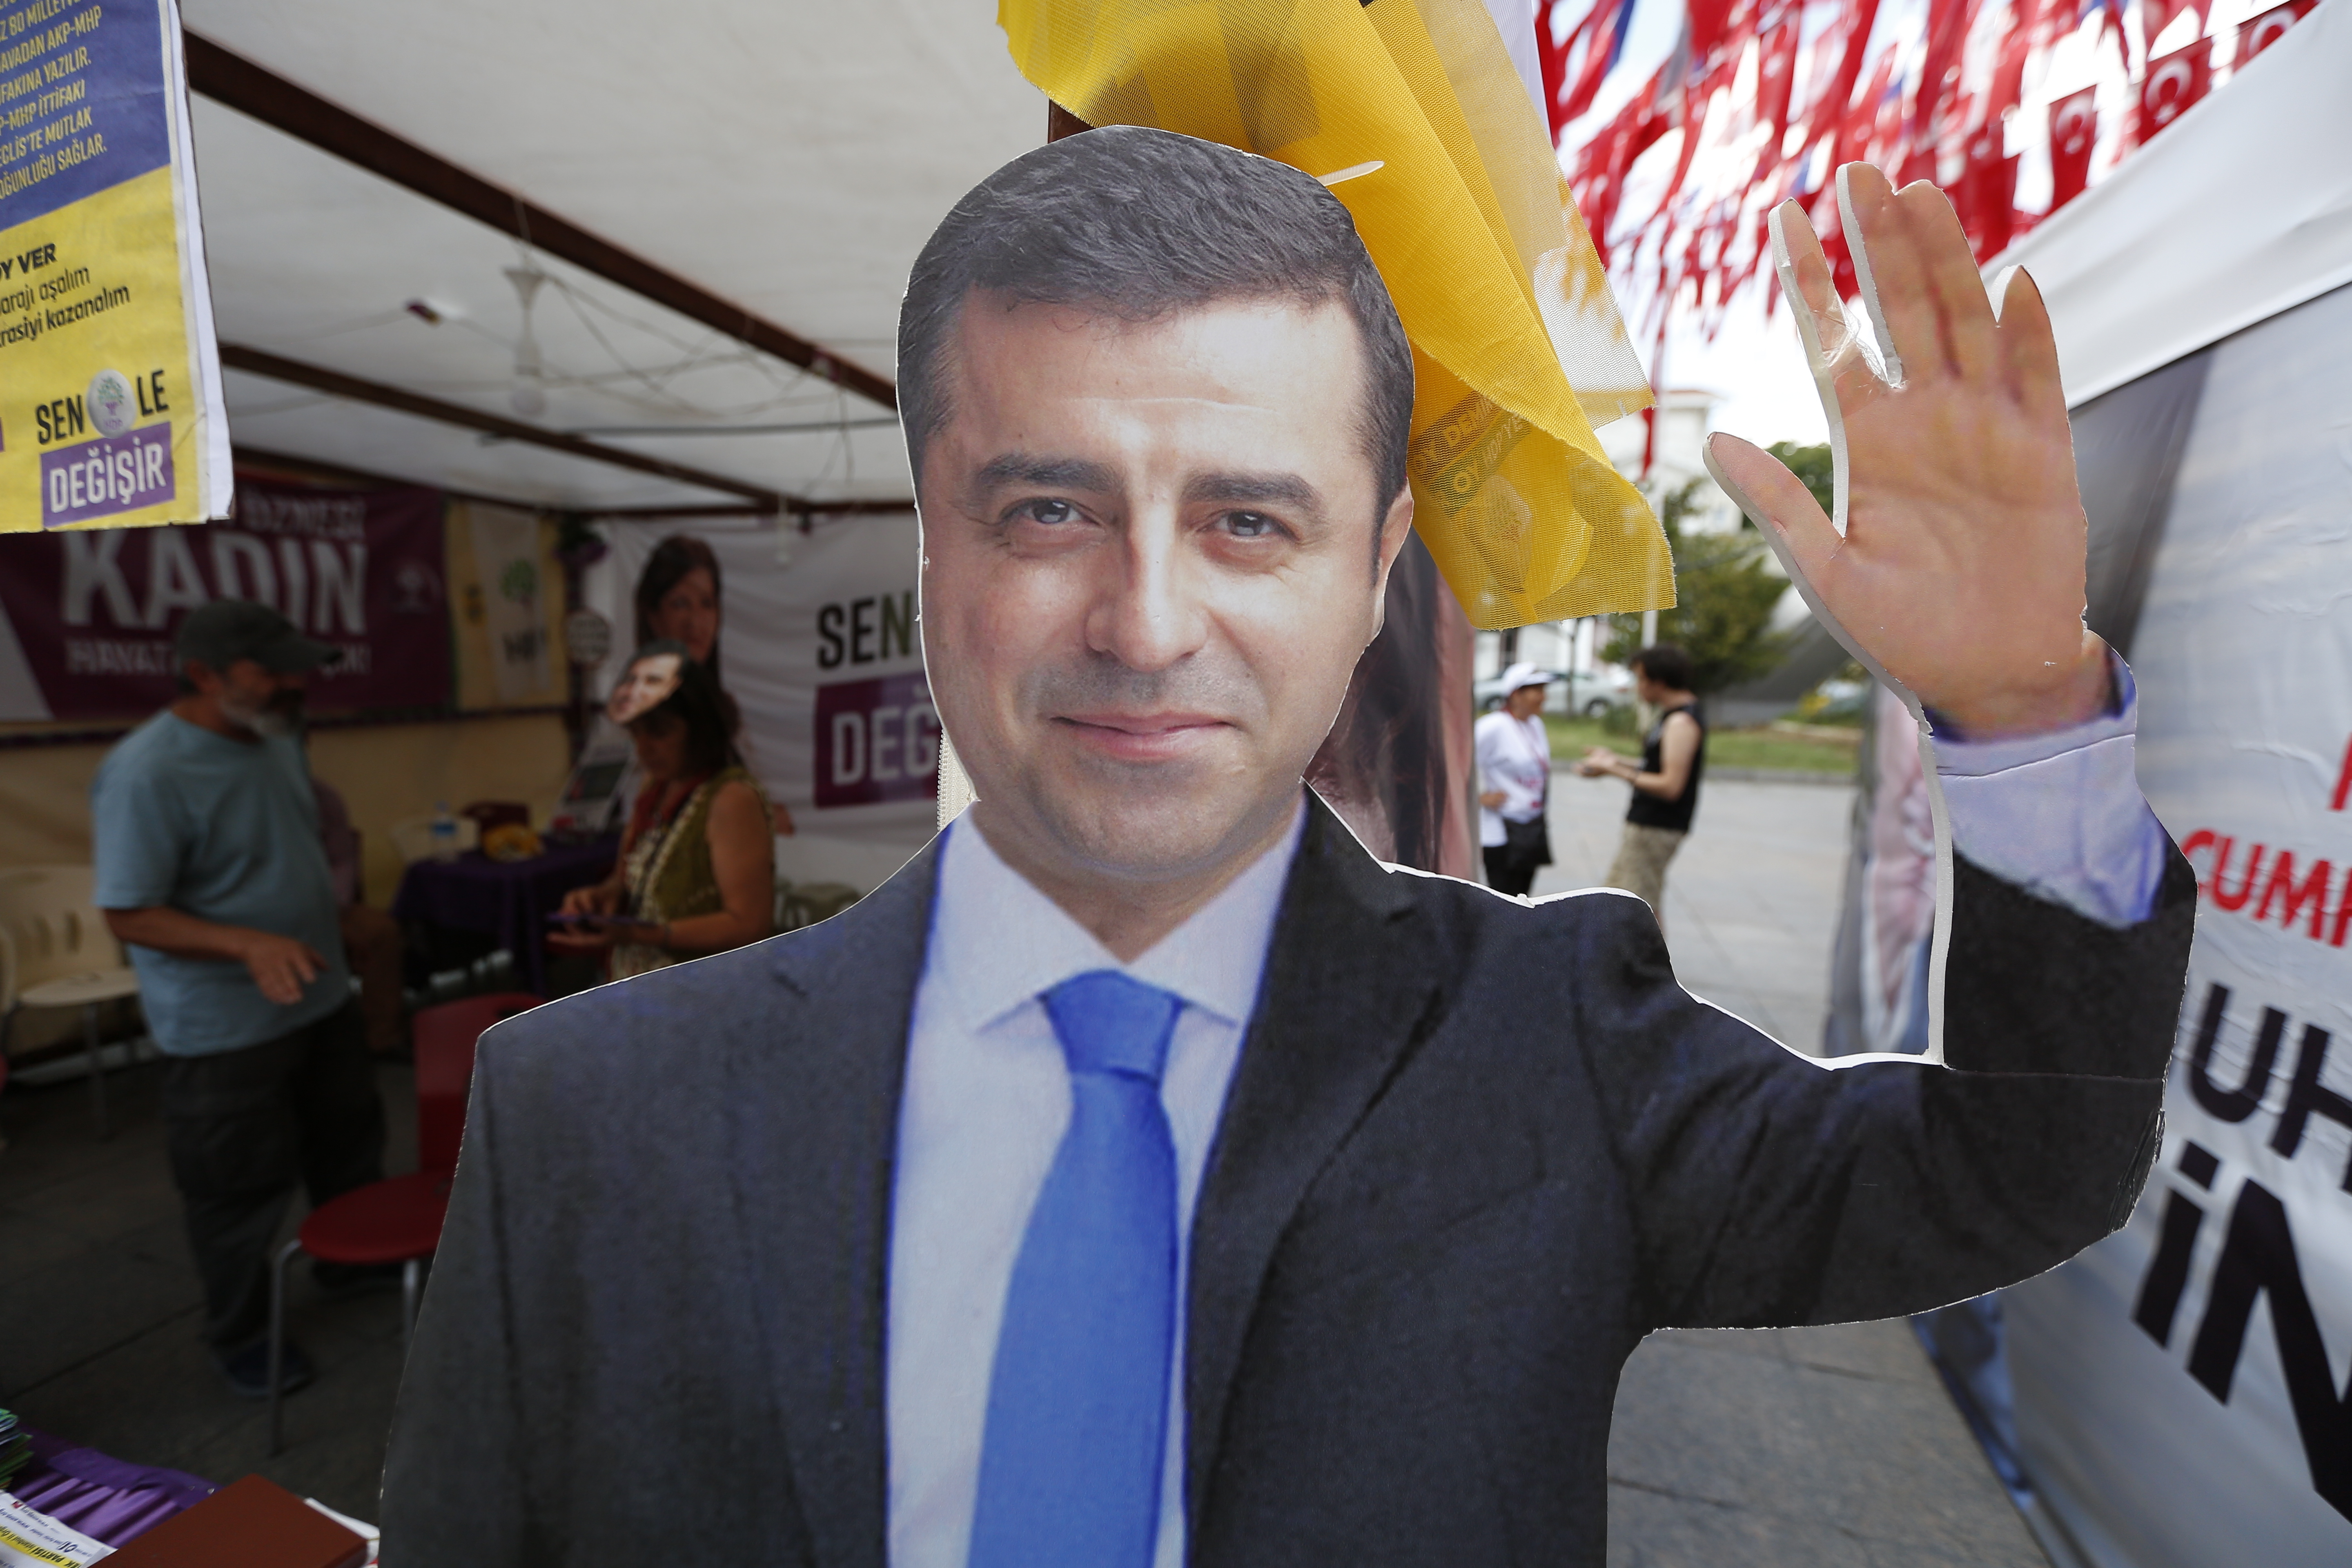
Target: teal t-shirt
[227, 831]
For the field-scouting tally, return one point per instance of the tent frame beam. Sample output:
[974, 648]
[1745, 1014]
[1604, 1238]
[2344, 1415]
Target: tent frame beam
[232, 80]
[295, 464]
[335, 383]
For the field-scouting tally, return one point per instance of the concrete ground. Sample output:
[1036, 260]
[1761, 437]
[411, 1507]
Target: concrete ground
[1789, 1447]
[1808, 1449]
[98, 1323]
[1751, 898]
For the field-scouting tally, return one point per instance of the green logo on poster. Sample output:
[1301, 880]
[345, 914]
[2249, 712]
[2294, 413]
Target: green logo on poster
[520, 581]
[112, 408]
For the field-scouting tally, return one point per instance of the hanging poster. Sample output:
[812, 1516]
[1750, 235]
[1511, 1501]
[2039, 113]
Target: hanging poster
[2179, 1388]
[820, 648]
[87, 618]
[508, 606]
[110, 409]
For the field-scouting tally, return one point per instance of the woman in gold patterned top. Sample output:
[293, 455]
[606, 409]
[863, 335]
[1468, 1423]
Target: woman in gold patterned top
[697, 869]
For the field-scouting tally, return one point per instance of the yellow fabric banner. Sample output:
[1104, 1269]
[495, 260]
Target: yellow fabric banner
[1518, 346]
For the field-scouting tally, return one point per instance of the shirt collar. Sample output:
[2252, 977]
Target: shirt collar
[998, 942]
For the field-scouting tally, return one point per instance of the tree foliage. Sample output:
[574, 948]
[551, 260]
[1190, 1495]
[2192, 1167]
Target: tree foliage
[1724, 593]
[1814, 466]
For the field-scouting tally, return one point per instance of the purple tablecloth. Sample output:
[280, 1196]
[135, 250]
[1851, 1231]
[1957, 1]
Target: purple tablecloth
[106, 1499]
[508, 899]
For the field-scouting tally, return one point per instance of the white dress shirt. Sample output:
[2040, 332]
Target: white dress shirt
[987, 1093]
[987, 1098]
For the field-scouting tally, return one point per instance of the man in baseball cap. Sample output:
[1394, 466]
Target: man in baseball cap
[211, 870]
[222, 631]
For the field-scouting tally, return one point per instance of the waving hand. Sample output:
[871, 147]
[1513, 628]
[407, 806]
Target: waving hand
[1953, 568]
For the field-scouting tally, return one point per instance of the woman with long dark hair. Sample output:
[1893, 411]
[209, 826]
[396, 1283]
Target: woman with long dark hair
[697, 869]
[678, 598]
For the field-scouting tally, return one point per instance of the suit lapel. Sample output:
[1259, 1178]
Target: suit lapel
[815, 1130]
[1349, 985]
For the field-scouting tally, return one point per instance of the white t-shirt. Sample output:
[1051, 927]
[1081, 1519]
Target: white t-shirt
[1514, 756]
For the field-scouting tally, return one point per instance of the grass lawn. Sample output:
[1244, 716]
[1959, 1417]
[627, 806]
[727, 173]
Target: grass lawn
[1761, 748]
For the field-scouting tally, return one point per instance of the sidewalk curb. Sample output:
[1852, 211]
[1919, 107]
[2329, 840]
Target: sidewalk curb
[1746, 775]
[1776, 775]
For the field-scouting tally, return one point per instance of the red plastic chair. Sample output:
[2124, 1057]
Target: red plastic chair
[399, 1220]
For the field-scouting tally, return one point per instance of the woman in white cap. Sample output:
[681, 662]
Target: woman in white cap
[1515, 763]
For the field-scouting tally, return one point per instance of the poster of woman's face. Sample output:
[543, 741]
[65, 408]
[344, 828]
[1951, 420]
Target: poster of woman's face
[678, 598]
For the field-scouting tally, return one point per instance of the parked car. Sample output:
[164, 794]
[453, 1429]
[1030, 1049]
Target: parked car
[1595, 691]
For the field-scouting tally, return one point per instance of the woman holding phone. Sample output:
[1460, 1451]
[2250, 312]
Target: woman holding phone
[696, 873]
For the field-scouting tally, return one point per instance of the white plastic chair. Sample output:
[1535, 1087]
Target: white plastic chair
[57, 951]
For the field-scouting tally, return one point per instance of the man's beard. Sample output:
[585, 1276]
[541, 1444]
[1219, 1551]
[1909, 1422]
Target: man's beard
[279, 715]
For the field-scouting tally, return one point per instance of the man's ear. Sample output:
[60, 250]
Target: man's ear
[1395, 527]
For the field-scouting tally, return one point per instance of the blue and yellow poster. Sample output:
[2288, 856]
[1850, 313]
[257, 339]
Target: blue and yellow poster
[109, 381]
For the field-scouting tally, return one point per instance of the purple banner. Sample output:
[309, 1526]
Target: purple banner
[875, 740]
[94, 610]
[113, 474]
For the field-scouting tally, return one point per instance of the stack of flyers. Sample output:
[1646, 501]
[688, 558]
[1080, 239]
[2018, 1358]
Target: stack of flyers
[31, 1539]
[16, 1449]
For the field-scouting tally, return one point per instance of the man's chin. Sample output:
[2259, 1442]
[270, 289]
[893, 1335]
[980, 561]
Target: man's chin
[1156, 830]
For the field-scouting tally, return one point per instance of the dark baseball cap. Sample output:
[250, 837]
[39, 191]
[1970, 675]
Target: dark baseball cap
[220, 633]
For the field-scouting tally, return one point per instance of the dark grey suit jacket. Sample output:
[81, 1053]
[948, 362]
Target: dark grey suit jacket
[1472, 1152]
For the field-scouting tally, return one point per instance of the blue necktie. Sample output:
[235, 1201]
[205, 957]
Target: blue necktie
[1078, 1400]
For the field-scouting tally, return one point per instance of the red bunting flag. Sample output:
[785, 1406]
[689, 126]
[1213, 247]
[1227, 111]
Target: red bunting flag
[2259, 33]
[2156, 15]
[1776, 76]
[1987, 197]
[1931, 96]
[1939, 71]
[2073, 131]
[2172, 84]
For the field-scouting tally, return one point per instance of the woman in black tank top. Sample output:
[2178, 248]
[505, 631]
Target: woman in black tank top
[1653, 811]
[1666, 780]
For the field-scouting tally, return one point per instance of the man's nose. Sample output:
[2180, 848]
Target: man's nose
[1147, 613]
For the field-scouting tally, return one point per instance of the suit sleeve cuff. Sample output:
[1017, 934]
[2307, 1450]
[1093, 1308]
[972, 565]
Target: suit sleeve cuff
[2060, 813]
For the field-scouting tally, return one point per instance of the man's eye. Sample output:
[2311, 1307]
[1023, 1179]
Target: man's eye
[1053, 513]
[1250, 525]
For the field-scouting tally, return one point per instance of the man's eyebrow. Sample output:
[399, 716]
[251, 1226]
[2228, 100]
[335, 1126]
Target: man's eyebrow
[1255, 489]
[1048, 473]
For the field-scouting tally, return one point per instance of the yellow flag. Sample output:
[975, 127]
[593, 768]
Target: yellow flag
[1518, 346]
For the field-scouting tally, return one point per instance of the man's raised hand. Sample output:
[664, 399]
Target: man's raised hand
[1955, 565]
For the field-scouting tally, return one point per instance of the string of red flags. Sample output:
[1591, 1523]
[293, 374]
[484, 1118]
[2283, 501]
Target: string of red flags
[2014, 107]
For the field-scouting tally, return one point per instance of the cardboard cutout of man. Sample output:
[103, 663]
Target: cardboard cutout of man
[1146, 1174]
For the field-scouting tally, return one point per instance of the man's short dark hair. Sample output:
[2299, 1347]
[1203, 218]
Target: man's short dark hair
[1667, 665]
[1138, 225]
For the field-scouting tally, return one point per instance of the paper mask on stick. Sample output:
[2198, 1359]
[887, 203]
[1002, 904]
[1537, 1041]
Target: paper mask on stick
[651, 678]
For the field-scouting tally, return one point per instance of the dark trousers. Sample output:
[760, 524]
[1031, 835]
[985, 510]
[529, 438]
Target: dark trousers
[242, 1127]
[1511, 868]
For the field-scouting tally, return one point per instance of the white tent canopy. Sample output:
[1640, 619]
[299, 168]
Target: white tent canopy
[2240, 209]
[788, 159]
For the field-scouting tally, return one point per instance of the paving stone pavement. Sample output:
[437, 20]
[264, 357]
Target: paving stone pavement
[1823, 1448]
